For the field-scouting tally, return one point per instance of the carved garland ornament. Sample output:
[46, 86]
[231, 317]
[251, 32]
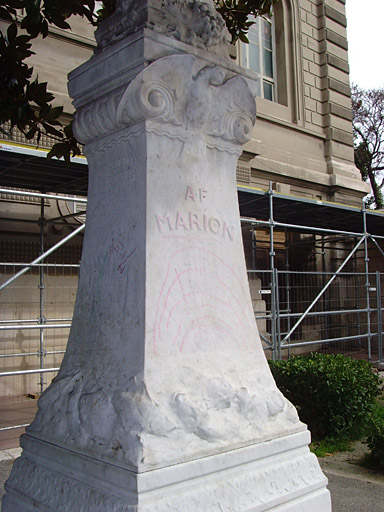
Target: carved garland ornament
[282, 479]
[194, 22]
[59, 491]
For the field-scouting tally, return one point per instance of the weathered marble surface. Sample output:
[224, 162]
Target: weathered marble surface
[194, 22]
[279, 474]
[170, 366]
[164, 401]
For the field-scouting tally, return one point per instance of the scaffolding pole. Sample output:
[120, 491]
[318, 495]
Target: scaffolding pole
[42, 196]
[367, 283]
[41, 296]
[42, 256]
[272, 255]
[379, 317]
[319, 295]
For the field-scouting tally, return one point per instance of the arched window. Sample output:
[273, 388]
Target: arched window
[274, 53]
[259, 55]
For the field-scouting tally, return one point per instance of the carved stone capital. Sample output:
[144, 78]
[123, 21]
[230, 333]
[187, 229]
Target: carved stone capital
[180, 92]
[194, 22]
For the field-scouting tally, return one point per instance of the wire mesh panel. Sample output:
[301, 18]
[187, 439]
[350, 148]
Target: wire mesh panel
[325, 314]
[295, 311]
[299, 312]
[36, 313]
[380, 313]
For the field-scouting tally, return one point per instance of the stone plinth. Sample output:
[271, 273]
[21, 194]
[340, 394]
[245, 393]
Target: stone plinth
[164, 401]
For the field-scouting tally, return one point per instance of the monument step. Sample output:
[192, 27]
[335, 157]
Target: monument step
[280, 474]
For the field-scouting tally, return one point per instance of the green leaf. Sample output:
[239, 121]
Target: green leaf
[243, 38]
[12, 32]
[68, 130]
[52, 131]
[58, 150]
[5, 14]
[31, 133]
[59, 22]
[339, 392]
[54, 113]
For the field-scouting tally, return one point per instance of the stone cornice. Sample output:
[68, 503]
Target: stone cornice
[181, 92]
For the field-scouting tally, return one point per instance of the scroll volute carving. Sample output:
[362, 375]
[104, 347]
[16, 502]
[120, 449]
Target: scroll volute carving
[182, 92]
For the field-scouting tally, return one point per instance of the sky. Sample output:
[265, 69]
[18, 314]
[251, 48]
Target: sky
[365, 32]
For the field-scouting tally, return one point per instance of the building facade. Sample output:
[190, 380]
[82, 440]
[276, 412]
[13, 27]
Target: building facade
[302, 140]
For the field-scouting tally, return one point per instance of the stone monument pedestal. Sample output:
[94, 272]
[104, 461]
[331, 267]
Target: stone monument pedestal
[280, 475]
[164, 400]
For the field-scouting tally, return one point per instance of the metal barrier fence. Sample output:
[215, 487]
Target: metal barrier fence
[296, 311]
[36, 314]
[302, 311]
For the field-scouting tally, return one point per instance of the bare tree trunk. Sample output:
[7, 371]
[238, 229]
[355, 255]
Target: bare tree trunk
[376, 189]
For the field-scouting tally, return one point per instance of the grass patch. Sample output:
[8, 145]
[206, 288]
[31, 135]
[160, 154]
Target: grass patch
[328, 446]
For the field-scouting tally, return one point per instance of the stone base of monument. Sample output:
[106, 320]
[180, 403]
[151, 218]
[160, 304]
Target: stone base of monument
[280, 475]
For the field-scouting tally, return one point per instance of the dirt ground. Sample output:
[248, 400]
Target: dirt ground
[348, 463]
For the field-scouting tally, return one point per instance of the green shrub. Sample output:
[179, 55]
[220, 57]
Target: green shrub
[334, 394]
[375, 439]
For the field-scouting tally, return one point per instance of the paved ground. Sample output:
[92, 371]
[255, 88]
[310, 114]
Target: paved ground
[353, 488]
[15, 411]
[354, 495]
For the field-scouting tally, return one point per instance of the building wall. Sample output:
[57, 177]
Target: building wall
[303, 143]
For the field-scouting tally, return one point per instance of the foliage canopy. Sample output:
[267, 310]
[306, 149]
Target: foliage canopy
[368, 129]
[25, 102]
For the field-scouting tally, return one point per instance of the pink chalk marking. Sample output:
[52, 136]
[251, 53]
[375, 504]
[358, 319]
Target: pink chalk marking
[177, 335]
[156, 330]
[217, 323]
[203, 294]
[123, 264]
[202, 325]
[241, 327]
[224, 285]
[177, 279]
